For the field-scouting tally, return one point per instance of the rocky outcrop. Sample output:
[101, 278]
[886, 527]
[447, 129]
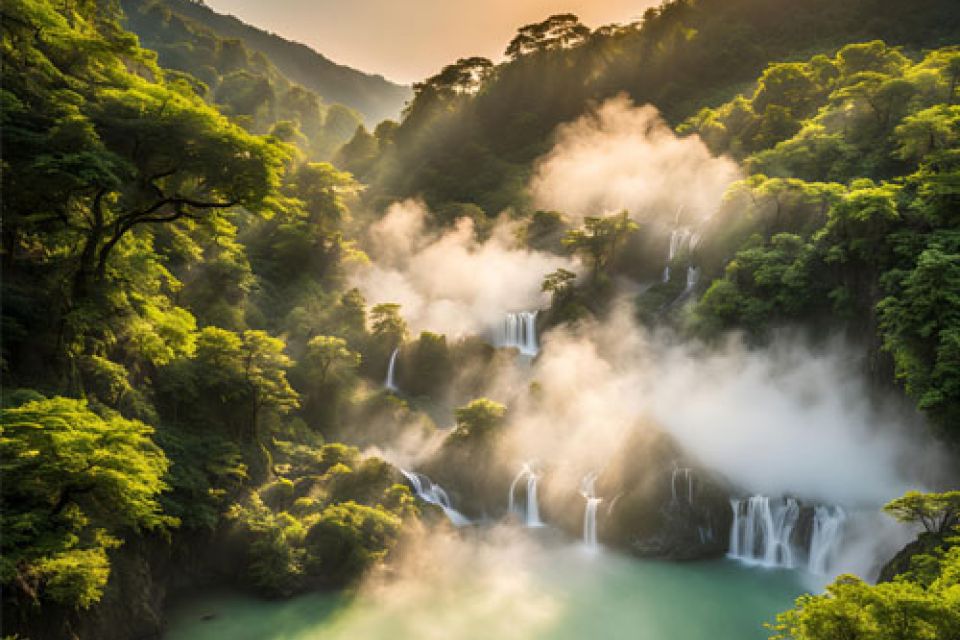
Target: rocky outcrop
[925, 544]
[664, 506]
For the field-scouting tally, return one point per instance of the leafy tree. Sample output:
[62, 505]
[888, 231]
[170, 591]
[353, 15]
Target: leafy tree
[600, 238]
[939, 513]
[479, 418]
[388, 324]
[85, 482]
[560, 285]
[561, 31]
[327, 354]
[917, 604]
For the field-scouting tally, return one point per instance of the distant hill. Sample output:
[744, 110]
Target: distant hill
[374, 97]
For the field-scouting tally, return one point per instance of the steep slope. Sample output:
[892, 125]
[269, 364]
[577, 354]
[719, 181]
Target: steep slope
[372, 95]
[242, 83]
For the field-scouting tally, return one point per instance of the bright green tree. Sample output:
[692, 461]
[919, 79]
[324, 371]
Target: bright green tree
[75, 485]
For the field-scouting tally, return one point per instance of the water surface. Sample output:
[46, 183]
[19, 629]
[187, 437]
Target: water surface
[508, 589]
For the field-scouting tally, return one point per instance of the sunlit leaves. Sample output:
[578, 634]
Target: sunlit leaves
[75, 482]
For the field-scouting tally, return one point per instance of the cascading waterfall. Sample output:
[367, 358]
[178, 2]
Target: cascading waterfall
[519, 330]
[825, 539]
[588, 491]
[433, 493]
[390, 383]
[532, 515]
[679, 239]
[762, 529]
[693, 277]
[682, 477]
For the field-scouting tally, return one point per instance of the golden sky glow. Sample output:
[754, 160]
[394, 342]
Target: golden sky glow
[407, 40]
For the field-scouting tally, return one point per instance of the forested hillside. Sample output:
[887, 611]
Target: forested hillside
[193, 380]
[372, 96]
[153, 253]
[474, 129]
[243, 83]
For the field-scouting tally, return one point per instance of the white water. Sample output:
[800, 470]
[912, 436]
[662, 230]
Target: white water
[532, 509]
[761, 531]
[693, 277]
[682, 477]
[679, 239]
[588, 491]
[827, 533]
[433, 493]
[519, 330]
[391, 369]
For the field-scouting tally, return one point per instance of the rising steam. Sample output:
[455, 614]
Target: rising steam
[450, 282]
[625, 157]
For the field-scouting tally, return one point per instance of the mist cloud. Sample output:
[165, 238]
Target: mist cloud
[450, 282]
[789, 419]
[626, 157]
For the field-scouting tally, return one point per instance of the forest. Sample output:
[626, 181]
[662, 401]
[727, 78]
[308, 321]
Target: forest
[250, 325]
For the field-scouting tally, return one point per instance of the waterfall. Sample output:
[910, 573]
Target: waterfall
[685, 477]
[432, 493]
[532, 516]
[827, 531]
[693, 277]
[590, 510]
[519, 330]
[762, 529]
[390, 383]
[679, 239]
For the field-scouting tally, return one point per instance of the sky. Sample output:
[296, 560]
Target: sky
[409, 40]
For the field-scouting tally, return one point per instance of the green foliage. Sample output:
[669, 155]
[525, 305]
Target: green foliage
[479, 419]
[920, 603]
[387, 323]
[919, 324]
[480, 146]
[600, 238]
[880, 250]
[854, 609]
[192, 34]
[350, 519]
[84, 482]
[426, 368]
[939, 513]
[245, 84]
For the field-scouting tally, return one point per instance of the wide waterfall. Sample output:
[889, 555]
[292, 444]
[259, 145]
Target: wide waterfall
[681, 485]
[532, 511]
[588, 491]
[390, 382]
[762, 529]
[519, 330]
[433, 493]
[825, 539]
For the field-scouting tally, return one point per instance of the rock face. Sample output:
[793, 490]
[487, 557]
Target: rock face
[926, 543]
[664, 506]
[473, 476]
[654, 503]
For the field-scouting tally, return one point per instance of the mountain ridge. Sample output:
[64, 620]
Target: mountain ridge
[375, 97]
